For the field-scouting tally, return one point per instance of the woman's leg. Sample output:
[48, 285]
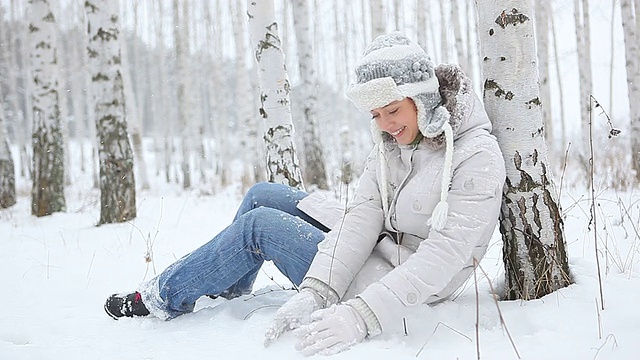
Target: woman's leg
[260, 234]
[276, 196]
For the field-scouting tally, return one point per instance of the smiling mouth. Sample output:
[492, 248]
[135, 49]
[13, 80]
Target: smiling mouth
[398, 132]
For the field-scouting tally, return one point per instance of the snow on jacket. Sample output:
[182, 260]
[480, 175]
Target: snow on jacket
[395, 260]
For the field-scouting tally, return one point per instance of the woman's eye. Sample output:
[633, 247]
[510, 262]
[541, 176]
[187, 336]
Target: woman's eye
[393, 111]
[375, 116]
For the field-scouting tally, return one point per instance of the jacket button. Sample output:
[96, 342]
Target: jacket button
[412, 298]
[416, 205]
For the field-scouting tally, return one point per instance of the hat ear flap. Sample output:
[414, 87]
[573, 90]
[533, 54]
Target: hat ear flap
[430, 123]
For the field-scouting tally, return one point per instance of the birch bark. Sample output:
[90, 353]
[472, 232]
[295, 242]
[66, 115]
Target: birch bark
[632, 52]
[47, 193]
[117, 182]
[530, 221]
[314, 164]
[275, 106]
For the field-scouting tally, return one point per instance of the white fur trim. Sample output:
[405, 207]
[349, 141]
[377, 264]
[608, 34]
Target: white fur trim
[374, 94]
[395, 52]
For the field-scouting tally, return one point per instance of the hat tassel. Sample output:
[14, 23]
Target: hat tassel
[440, 212]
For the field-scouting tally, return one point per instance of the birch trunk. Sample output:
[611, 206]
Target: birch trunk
[117, 183]
[531, 222]
[632, 52]
[563, 132]
[584, 73]
[25, 116]
[314, 164]
[275, 106]
[47, 194]
[180, 36]
[135, 105]
[542, 43]
[7, 168]
[378, 22]
[463, 57]
[244, 105]
[444, 39]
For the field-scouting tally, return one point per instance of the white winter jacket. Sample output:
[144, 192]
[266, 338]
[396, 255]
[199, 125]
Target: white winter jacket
[395, 260]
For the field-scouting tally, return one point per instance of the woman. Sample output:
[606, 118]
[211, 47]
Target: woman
[423, 213]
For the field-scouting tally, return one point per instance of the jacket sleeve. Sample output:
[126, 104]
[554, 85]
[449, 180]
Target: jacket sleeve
[350, 242]
[474, 203]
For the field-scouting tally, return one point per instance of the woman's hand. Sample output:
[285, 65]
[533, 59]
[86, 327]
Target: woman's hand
[333, 330]
[295, 312]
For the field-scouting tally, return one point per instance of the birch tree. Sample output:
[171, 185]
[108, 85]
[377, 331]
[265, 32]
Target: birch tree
[531, 224]
[117, 183]
[180, 37]
[314, 164]
[47, 193]
[275, 106]
[378, 21]
[632, 53]
[463, 57]
[581, 13]
[542, 43]
[7, 168]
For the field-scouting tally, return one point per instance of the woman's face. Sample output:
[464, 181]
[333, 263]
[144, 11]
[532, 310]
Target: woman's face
[399, 119]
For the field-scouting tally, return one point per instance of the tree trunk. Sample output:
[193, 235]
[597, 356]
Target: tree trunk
[249, 138]
[314, 165]
[563, 132]
[117, 184]
[531, 221]
[584, 72]
[180, 36]
[632, 52]
[7, 168]
[463, 57]
[542, 42]
[275, 106]
[47, 194]
[378, 21]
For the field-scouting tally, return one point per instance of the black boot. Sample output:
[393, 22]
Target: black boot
[130, 305]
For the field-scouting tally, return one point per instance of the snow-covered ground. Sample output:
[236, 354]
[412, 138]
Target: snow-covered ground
[56, 272]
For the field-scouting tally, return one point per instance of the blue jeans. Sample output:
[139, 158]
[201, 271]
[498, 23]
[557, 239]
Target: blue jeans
[267, 226]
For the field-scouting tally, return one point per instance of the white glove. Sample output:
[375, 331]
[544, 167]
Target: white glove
[292, 314]
[333, 330]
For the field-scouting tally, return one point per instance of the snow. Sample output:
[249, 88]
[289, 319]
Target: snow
[58, 270]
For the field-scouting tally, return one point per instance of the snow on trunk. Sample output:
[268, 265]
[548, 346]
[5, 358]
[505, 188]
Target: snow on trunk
[531, 220]
[117, 183]
[314, 164]
[47, 194]
[542, 43]
[275, 106]
[632, 54]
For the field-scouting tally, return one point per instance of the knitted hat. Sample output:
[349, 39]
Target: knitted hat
[393, 68]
